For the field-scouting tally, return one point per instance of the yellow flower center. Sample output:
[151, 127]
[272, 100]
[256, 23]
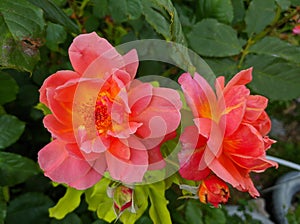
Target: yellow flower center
[103, 112]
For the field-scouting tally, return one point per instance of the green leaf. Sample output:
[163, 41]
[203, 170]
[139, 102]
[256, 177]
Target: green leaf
[15, 169]
[3, 206]
[223, 66]
[193, 212]
[238, 11]
[259, 15]
[28, 95]
[156, 17]
[122, 11]
[284, 4]
[70, 218]
[295, 2]
[55, 14]
[56, 35]
[222, 10]
[213, 39]
[213, 215]
[2, 110]
[274, 77]
[275, 47]
[21, 30]
[29, 208]
[163, 17]
[158, 210]
[99, 221]
[144, 220]
[100, 8]
[68, 203]
[8, 88]
[97, 200]
[11, 129]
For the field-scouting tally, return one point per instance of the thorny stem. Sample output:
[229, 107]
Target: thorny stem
[276, 23]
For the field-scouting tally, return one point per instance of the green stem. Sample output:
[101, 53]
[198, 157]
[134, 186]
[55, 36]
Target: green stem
[276, 23]
[5, 193]
[81, 8]
[250, 42]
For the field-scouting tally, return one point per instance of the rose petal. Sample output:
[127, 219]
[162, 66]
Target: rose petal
[235, 102]
[162, 115]
[241, 78]
[88, 47]
[199, 95]
[255, 106]
[139, 97]
[225, 169]
[59, 130]
[126, 164]
[131, 62]
[63, 168]
[54, 81]
[191, 154]
[262, 124]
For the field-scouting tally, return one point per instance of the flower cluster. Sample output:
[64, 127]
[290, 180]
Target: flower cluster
[104, 120]
[229, 136]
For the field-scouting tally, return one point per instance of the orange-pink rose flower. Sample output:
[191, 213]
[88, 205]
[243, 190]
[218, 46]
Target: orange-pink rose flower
[213, 190]
[296, 29]
[103, 119]
[229, 135]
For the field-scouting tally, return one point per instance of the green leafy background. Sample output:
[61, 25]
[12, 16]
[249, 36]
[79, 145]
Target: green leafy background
[229, 35]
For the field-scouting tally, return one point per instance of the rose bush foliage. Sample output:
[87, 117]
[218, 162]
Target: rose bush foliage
[102, 142]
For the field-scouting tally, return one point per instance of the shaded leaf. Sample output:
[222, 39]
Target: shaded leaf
[55, 14]
[238, 11]
[158, 210]
[295, 2]
[213, 39]
[55, 35]
[163, 17]
[28, 95]
[3, 206]
[21, 29]
[15, 169]
[122, 11]
[275, 47]
[68, 203]
[284, 4]
[223, 66]
[29, 208]
[144, 220]
[274, 77]
[70, 218]
[100, 8]
[222, 10]
[186, 16]
[99, 221]
[193, 212]
[213, 215]
[11, 129]
[259, 15]
[8, 88]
